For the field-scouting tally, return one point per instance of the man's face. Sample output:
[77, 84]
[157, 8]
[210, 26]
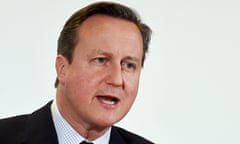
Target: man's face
[100, 85]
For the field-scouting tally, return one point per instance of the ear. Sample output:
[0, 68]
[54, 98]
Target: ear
[61, 68]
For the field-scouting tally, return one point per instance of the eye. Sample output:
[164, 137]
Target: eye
[129, 66]
[100, 60]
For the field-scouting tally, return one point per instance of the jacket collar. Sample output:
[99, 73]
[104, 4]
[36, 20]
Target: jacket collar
[115, 137]
[40, 128]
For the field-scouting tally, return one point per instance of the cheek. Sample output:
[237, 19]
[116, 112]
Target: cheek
[131, 87]
[131, 90]
[76, 83]
[84, 83]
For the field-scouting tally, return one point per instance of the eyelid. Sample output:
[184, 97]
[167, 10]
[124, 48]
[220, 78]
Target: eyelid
[133, 66]
[100, 58]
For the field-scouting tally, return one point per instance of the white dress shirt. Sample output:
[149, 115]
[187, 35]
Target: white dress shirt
[67, 135]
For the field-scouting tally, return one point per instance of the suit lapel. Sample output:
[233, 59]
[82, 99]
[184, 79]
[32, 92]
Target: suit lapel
[40, 128]
[116, 137]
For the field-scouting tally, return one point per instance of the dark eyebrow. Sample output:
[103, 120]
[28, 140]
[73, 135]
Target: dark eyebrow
[135, 59]
[101, 52]
[104, 53]
[131, 58]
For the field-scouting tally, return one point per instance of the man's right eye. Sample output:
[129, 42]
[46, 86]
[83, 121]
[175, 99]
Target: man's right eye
[100, 59]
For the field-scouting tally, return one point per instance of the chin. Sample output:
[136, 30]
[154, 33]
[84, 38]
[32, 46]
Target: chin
[107, 122]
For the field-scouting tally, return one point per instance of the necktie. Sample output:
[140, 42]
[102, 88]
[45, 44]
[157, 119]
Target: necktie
[84, 142]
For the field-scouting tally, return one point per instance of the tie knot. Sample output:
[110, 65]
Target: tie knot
[84, 142]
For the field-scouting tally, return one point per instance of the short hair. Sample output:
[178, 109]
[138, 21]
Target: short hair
[68, 38]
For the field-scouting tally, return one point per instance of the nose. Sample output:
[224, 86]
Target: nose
[115, 76]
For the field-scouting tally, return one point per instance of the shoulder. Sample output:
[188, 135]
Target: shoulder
[27, 127]
[130, 137]
[16, 122]
[12, 127]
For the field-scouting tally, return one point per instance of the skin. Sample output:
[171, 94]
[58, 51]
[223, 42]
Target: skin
[100, 85]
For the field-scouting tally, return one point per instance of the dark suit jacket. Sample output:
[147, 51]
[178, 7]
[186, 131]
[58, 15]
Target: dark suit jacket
[38, 128]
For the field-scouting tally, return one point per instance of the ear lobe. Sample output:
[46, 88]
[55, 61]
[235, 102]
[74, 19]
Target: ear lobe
[61, 68]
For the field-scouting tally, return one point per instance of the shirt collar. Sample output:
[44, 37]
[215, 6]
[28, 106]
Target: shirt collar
[67, 135]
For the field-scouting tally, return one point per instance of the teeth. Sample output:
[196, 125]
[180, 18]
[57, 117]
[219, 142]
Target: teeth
[110, 102]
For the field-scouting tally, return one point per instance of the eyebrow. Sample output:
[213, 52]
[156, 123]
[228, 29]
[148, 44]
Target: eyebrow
[132, 58]
[135, 59]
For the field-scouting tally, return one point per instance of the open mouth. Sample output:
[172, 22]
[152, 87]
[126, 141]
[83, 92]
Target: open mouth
[109, 100]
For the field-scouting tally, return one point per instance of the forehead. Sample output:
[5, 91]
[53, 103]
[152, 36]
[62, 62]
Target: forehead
[102, 29]
[109, 33]
[102, 22]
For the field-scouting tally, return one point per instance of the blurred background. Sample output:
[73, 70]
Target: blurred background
[190, 84]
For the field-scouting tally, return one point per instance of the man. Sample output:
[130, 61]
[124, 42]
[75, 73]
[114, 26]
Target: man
[101, 51]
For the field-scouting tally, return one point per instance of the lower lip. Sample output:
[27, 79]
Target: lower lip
[107, 105]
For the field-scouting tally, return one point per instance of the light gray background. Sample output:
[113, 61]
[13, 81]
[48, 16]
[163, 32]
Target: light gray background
[190, 86]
